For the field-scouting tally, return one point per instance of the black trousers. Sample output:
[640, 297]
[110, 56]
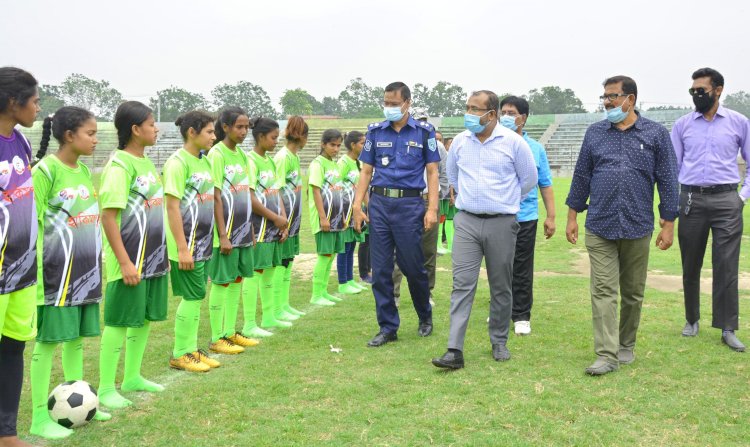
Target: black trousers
[721, 214]
[363, 256]
[11, 379]
[523, 271]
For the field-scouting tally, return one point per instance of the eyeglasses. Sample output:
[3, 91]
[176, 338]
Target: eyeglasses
[700, 91]
[471, 109]
[612, 96]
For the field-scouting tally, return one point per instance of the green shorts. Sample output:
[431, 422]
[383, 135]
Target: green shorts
[290, 247]
[329, 243]
[360, 237]
[445, 204]
[267, 255]
[225, 269]
[451, 212]
[189, 284]
[56, 324]
[348, 235]
[130, 306]
[18, 314]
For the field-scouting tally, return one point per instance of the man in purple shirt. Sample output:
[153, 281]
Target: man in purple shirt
[706, 143]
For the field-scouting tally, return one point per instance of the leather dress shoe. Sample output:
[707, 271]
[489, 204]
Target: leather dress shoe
[382, 338]
[452, 359]
[600, 367]
[729, 339]
[625, 356]
[425, 328]
[690, 329]
[500, 352]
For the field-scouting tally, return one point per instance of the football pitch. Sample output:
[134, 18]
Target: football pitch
[294, 390]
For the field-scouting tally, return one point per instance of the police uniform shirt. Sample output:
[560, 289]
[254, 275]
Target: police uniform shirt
[399, 158]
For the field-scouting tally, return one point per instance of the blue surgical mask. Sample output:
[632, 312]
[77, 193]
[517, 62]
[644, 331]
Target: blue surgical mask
[472, 124]
[509, 122]
[393, 113]
[616, 114]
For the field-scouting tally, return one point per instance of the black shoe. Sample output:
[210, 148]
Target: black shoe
[690, 329]
[500, 352]
[425, 328]
[729, 339]
[452, 359]
[382, 338]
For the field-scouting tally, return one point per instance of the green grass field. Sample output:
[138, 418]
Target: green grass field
[292, 390]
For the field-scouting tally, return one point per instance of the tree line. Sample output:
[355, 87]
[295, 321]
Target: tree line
[356, 100]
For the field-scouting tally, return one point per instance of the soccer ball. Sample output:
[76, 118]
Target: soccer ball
[73, 404]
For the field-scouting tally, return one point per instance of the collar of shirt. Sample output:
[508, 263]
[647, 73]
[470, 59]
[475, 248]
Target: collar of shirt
[721, 111]
[410, 122]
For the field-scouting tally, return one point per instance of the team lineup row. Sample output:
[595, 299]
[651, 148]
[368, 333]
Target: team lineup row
[215, 212]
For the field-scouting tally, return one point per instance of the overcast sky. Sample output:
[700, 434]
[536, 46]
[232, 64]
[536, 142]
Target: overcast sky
[507, 46]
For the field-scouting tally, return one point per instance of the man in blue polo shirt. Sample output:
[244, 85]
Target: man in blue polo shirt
[514, 112]
[398, 150]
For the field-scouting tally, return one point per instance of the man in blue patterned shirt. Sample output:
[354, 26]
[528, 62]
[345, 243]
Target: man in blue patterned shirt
[621, 159]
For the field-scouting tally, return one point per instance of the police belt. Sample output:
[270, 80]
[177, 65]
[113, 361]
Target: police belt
[396, 193]
[713, 189]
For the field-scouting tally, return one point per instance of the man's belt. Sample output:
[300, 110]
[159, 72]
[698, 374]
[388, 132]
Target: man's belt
[396, 193]
[713, 189]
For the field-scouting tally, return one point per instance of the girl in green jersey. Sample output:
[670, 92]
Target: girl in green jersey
[290, 181]
[69, 259]
[131, 196]
[327, 212]
[270, 225]
[232, 258]
[189, 191]
[349, 169]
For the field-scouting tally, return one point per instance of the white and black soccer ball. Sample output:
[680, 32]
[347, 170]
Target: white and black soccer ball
[73, 404]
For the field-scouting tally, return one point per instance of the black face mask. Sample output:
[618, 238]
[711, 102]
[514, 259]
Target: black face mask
[704, 103]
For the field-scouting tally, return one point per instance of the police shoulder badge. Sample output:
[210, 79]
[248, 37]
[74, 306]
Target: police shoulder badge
[432, 144]
[368, 145]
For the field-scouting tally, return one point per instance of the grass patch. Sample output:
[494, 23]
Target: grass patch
[292, 390]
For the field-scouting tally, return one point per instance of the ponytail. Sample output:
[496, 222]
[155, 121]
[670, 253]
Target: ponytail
[46, 135]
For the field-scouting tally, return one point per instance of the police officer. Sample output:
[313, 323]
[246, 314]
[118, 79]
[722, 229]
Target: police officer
[399, 150]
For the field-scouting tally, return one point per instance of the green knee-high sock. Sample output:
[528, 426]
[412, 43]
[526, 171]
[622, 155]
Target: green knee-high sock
[216, 302]
[278, 295]
[72, 361]
[318, 271]
[449, 234]
[135, 347]
[109, 356]
[268, 302]
[325, 278]
[249, 302]
[186, 327]
[41, 368]
[231, 306]
[286, 286]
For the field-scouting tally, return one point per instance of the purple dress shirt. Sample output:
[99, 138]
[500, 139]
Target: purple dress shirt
[707, 150]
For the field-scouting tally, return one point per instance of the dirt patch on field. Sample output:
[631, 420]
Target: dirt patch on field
[656, 280]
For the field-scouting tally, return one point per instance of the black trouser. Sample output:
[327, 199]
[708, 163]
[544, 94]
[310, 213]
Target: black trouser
[11, 379]
[720, 213]
[363, 256]
[523, 271]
